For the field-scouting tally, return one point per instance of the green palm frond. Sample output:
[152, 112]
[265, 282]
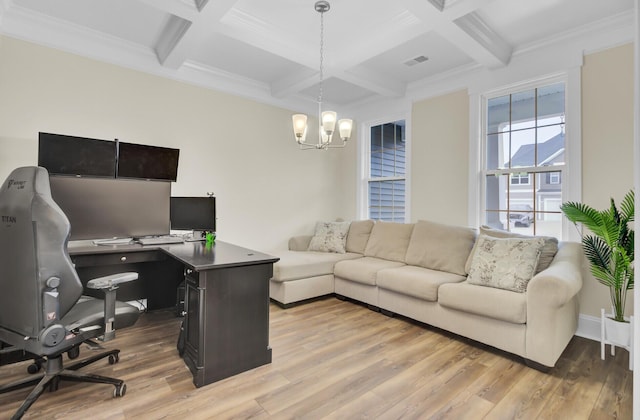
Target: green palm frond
[610, 247]
[597, 251]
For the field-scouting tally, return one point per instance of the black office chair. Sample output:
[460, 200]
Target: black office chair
[42, 310]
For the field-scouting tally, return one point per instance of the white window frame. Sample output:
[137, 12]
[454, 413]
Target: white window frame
[572, 171]
[364, 164]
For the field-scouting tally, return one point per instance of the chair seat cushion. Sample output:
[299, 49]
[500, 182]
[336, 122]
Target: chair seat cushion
[294, 265]
[504, 305]
[363, 270]
[422, 283]
[91, 312]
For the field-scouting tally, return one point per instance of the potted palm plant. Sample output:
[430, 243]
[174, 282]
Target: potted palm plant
[609, 249]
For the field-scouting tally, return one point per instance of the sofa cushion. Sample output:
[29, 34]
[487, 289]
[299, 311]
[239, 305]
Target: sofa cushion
[329, 237]
[294, 265]
[418, 282]
[440, 247]
[389, 241]
[494, 303]
[505, 263]
[546, 255]
[358, 236]
[363, 270]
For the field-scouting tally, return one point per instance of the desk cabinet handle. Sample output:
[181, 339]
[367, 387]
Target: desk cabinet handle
[123, 259]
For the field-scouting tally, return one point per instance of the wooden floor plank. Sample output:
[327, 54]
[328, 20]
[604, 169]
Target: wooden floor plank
[339, 360]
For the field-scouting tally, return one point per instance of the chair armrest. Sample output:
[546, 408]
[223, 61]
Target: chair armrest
[108, 282]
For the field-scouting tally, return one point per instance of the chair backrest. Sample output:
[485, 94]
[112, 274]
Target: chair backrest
[33, 249]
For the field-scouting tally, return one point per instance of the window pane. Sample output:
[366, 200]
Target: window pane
[551, 101]
[387, 161]
[386, 200]
[523, 110]
[496, 192]
[498, 110]
[523, 148]
[551, 145]
[548, 200]
[497, 150]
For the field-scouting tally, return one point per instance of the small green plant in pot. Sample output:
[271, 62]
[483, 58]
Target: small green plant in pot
[609, 246]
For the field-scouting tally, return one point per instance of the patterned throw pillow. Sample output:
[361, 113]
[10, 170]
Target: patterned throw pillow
[505, 263]
[330, 237]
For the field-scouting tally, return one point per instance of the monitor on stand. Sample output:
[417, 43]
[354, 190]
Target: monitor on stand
[193, 213]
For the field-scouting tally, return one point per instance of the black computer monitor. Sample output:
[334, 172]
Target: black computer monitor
[70, 155]
[147, 162]
[100, 208]
[193, 213]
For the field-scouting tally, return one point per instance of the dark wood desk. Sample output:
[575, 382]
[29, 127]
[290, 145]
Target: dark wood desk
[226, 323]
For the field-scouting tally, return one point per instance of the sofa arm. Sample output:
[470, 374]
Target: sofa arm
[299, 243]
[552, 305]
[561, 281]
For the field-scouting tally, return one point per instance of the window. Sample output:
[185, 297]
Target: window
[386, 180]
[520, 179]
[524, 157]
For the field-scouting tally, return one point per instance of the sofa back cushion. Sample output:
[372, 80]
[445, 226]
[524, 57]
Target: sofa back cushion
[389, 241]
[358, 236]
[440, 247]
[547, 254]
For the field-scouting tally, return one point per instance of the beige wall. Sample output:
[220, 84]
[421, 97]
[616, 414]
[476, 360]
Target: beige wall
[244, 151]
[439, 159]
[607, 145]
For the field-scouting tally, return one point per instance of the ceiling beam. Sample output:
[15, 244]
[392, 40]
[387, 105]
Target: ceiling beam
[181, 36]
[463, 27]
[179, 8]
[373, 81]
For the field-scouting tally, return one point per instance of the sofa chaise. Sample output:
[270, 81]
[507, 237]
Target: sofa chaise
[512, 292]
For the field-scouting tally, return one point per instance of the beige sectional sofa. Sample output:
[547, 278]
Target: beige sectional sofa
[437, 274]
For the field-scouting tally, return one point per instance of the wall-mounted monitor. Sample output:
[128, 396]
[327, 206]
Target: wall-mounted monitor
[70, 155]
[147, 162]
[193, 213]
[99, 208]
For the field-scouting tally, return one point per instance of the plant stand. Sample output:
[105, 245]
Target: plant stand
[615, 334]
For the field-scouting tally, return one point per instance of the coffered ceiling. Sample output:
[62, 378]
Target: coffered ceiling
[270, 49]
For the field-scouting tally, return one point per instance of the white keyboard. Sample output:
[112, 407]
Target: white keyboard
[157, 240]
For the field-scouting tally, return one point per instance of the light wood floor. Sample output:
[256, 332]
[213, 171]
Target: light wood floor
[340, 360]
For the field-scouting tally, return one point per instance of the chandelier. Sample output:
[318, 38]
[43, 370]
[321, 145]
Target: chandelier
[326, 119]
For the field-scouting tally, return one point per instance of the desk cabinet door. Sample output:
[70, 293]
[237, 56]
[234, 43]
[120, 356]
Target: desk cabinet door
[193, 307]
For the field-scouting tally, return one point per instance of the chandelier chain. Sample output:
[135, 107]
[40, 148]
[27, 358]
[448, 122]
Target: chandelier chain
[321, 58]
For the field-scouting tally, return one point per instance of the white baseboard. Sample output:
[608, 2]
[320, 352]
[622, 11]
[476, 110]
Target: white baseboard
[589, 327]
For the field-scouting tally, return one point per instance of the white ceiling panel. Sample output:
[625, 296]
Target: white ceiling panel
[126, 19]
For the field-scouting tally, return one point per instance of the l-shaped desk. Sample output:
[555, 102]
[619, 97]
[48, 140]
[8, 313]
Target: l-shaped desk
[226, 325]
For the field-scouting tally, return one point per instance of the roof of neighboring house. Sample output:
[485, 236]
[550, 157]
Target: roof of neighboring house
[525, 155]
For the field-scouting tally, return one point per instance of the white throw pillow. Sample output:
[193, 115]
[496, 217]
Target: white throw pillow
[330, 237]
[505, 263]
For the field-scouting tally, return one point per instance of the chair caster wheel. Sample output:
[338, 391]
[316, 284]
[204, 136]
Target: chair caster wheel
[113, 359]
[74, 352]
[120, 390]
[33, 368]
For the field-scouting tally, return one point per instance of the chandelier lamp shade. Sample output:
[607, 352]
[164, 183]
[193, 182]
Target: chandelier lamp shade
[327, 120]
